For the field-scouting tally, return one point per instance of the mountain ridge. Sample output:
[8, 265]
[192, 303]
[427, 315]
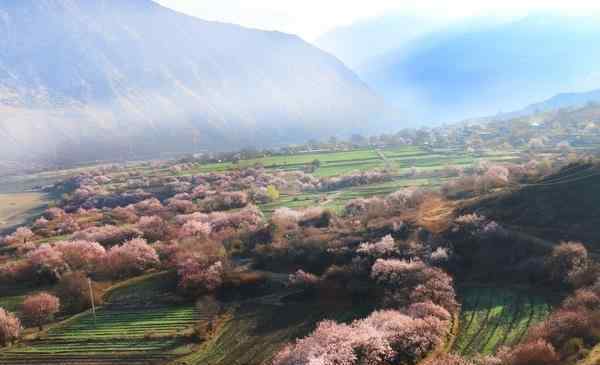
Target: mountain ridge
[480, 67]
[134, 71]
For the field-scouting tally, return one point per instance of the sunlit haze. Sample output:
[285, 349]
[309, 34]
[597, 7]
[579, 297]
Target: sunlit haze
[312, 18]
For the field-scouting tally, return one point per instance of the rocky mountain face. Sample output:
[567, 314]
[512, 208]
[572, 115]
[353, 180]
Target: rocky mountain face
[102, 79]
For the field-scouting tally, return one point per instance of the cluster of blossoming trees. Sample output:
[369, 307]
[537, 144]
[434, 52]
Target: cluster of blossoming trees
[114, 224]
[38, 309]
[418, 298]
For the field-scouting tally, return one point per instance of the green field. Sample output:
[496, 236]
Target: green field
[399, 159]
[134, 335]
[339, 163]
[145, 322]
[494, 317]
[257, 331]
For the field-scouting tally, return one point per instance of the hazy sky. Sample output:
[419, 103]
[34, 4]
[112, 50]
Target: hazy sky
[311, 18]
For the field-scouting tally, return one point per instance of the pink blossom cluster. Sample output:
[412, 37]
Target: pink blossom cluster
[386, 336]
[197, 276]
[81, 255]
[303, 279]
[20, 236]
[153, 227]
[40, 308]
[131, 258]
[107, 234]
[385, 247]
[10, 327]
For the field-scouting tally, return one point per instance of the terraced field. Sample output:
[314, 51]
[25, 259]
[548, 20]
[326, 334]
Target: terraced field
[136, 326]
[145, 323]
[130, 336]
[256, 331]
[493, 317]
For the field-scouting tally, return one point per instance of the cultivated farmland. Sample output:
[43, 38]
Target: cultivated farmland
[495, 317]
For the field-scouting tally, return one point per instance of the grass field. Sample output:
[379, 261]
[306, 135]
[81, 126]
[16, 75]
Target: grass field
[493, 317]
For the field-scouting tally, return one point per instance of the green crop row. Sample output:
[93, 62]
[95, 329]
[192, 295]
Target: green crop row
[493, 317]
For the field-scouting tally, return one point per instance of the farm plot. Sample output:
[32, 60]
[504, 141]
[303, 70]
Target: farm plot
[493, 317]
[256, 331]
[141, 323]
[331, 163]
[116, 337]
[134, 335]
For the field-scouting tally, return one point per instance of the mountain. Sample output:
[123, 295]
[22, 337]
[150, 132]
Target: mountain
[101, 79]
[480, 66]
[560, 101]
[357, 43]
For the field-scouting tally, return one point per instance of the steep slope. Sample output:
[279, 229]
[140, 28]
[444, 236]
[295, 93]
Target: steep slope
[481, 67]
[100, 79]
[561, 206]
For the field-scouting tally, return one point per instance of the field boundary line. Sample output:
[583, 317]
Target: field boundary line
[467, 347]
[515, 315]
[498, 321]
[447, 344]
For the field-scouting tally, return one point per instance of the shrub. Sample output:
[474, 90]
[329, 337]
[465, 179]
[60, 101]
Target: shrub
[125, 215]
[194, 228]
[107, 235]
[583, 299]
[81, 255]
[566, 260]
[383, 337]
[537, 352]
[370, 208]
[181, 205]
[473, 220]
[384, 248]
[149, 207]
[10, 327]
[68, 225]
[54, 213]
[315, 217]
[41, 308]
[74, 292]
[153, 227]
[225, 201]
[48, 263]
[201, 266]
[19, 237]
[131, 258]
[428, 309]
[303, 279]
[197, 277]
[561, 326]
[17, 271]
[286, 218]
[408, 198]
[408, 282]
[272, 193]
[329, 344]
